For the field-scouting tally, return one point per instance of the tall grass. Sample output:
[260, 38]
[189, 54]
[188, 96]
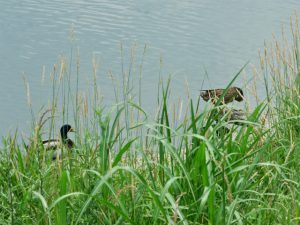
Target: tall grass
[130, 167]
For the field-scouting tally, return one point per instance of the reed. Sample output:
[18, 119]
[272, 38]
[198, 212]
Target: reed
[190, 167]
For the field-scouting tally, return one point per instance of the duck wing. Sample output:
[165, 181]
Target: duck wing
[51, 144]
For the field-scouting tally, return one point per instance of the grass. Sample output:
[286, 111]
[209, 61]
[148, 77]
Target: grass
[131, 167]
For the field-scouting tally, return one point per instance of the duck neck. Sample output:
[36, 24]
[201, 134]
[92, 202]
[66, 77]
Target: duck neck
[64, 137]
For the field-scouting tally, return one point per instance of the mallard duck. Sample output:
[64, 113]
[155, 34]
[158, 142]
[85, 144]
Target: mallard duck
[56, 144]
[233, 93]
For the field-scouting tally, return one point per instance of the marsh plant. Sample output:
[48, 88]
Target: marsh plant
[180, 165]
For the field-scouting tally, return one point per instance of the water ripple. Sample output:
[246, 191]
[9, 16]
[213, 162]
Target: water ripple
[192, 36]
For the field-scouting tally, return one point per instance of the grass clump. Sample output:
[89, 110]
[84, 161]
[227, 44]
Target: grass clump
[130, 167]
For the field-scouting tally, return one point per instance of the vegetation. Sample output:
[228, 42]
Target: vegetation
[130, 167]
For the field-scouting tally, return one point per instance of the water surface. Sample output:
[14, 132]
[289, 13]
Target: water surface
[193, 37]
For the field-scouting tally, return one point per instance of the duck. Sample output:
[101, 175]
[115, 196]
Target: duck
[233, 93]
[56, 144]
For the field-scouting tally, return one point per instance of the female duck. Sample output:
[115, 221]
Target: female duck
[233, 93]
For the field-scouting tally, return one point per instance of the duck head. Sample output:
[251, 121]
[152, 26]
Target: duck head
[240, 95]
[64, 130]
